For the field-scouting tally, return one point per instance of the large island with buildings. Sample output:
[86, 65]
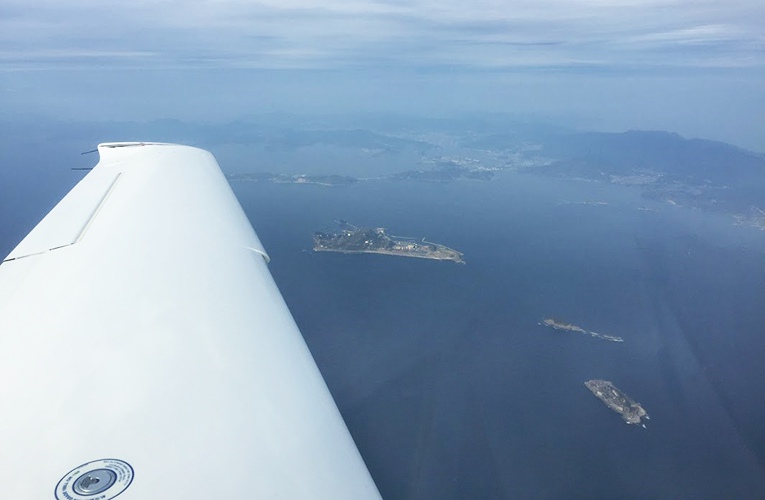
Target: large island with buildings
[376, 240]
[615, 399]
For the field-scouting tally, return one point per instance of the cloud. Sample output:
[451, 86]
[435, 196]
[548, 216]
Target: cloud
[704, 35]
[407, 34]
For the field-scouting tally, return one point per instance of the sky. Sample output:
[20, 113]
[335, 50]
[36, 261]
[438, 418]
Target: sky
[693, 67]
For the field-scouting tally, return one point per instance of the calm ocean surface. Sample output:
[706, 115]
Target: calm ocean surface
[452, 389]
[447, 382]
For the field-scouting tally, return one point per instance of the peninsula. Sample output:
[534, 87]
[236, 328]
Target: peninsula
[376, 240]
[615, 399]
[562, 325]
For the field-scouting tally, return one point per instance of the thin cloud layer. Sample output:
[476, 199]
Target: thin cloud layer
[411, 35]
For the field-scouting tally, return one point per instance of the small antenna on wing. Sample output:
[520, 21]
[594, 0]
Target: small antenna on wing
[86, 153]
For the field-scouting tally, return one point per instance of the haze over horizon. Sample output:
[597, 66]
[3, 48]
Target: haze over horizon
[695, 68]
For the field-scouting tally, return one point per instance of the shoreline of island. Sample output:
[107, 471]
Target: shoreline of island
[377, 241]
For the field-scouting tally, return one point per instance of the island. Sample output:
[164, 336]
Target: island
[375, 240]
[447, 170]
[663, 167]
[562, 325]
[615, 399]
[319, 180]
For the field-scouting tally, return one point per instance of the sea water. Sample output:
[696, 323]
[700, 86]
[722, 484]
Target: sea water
[452, 389]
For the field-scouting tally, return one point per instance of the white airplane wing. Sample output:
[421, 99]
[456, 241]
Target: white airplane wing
[146, 352]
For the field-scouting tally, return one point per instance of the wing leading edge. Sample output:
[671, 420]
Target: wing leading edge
[145, 348]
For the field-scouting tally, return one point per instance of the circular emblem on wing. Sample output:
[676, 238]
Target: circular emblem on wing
[98, 480]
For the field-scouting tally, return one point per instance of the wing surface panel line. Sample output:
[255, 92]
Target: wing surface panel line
[82, 231]
[97, 209]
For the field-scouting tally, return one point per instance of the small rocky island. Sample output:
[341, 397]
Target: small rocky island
[375, 240]
[562, 325]
[615, 399]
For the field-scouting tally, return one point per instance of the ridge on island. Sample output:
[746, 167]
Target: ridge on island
[376, 240]
[618, 401]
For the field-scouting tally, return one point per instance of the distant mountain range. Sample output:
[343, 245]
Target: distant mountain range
[700, 173]
[693, 172]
